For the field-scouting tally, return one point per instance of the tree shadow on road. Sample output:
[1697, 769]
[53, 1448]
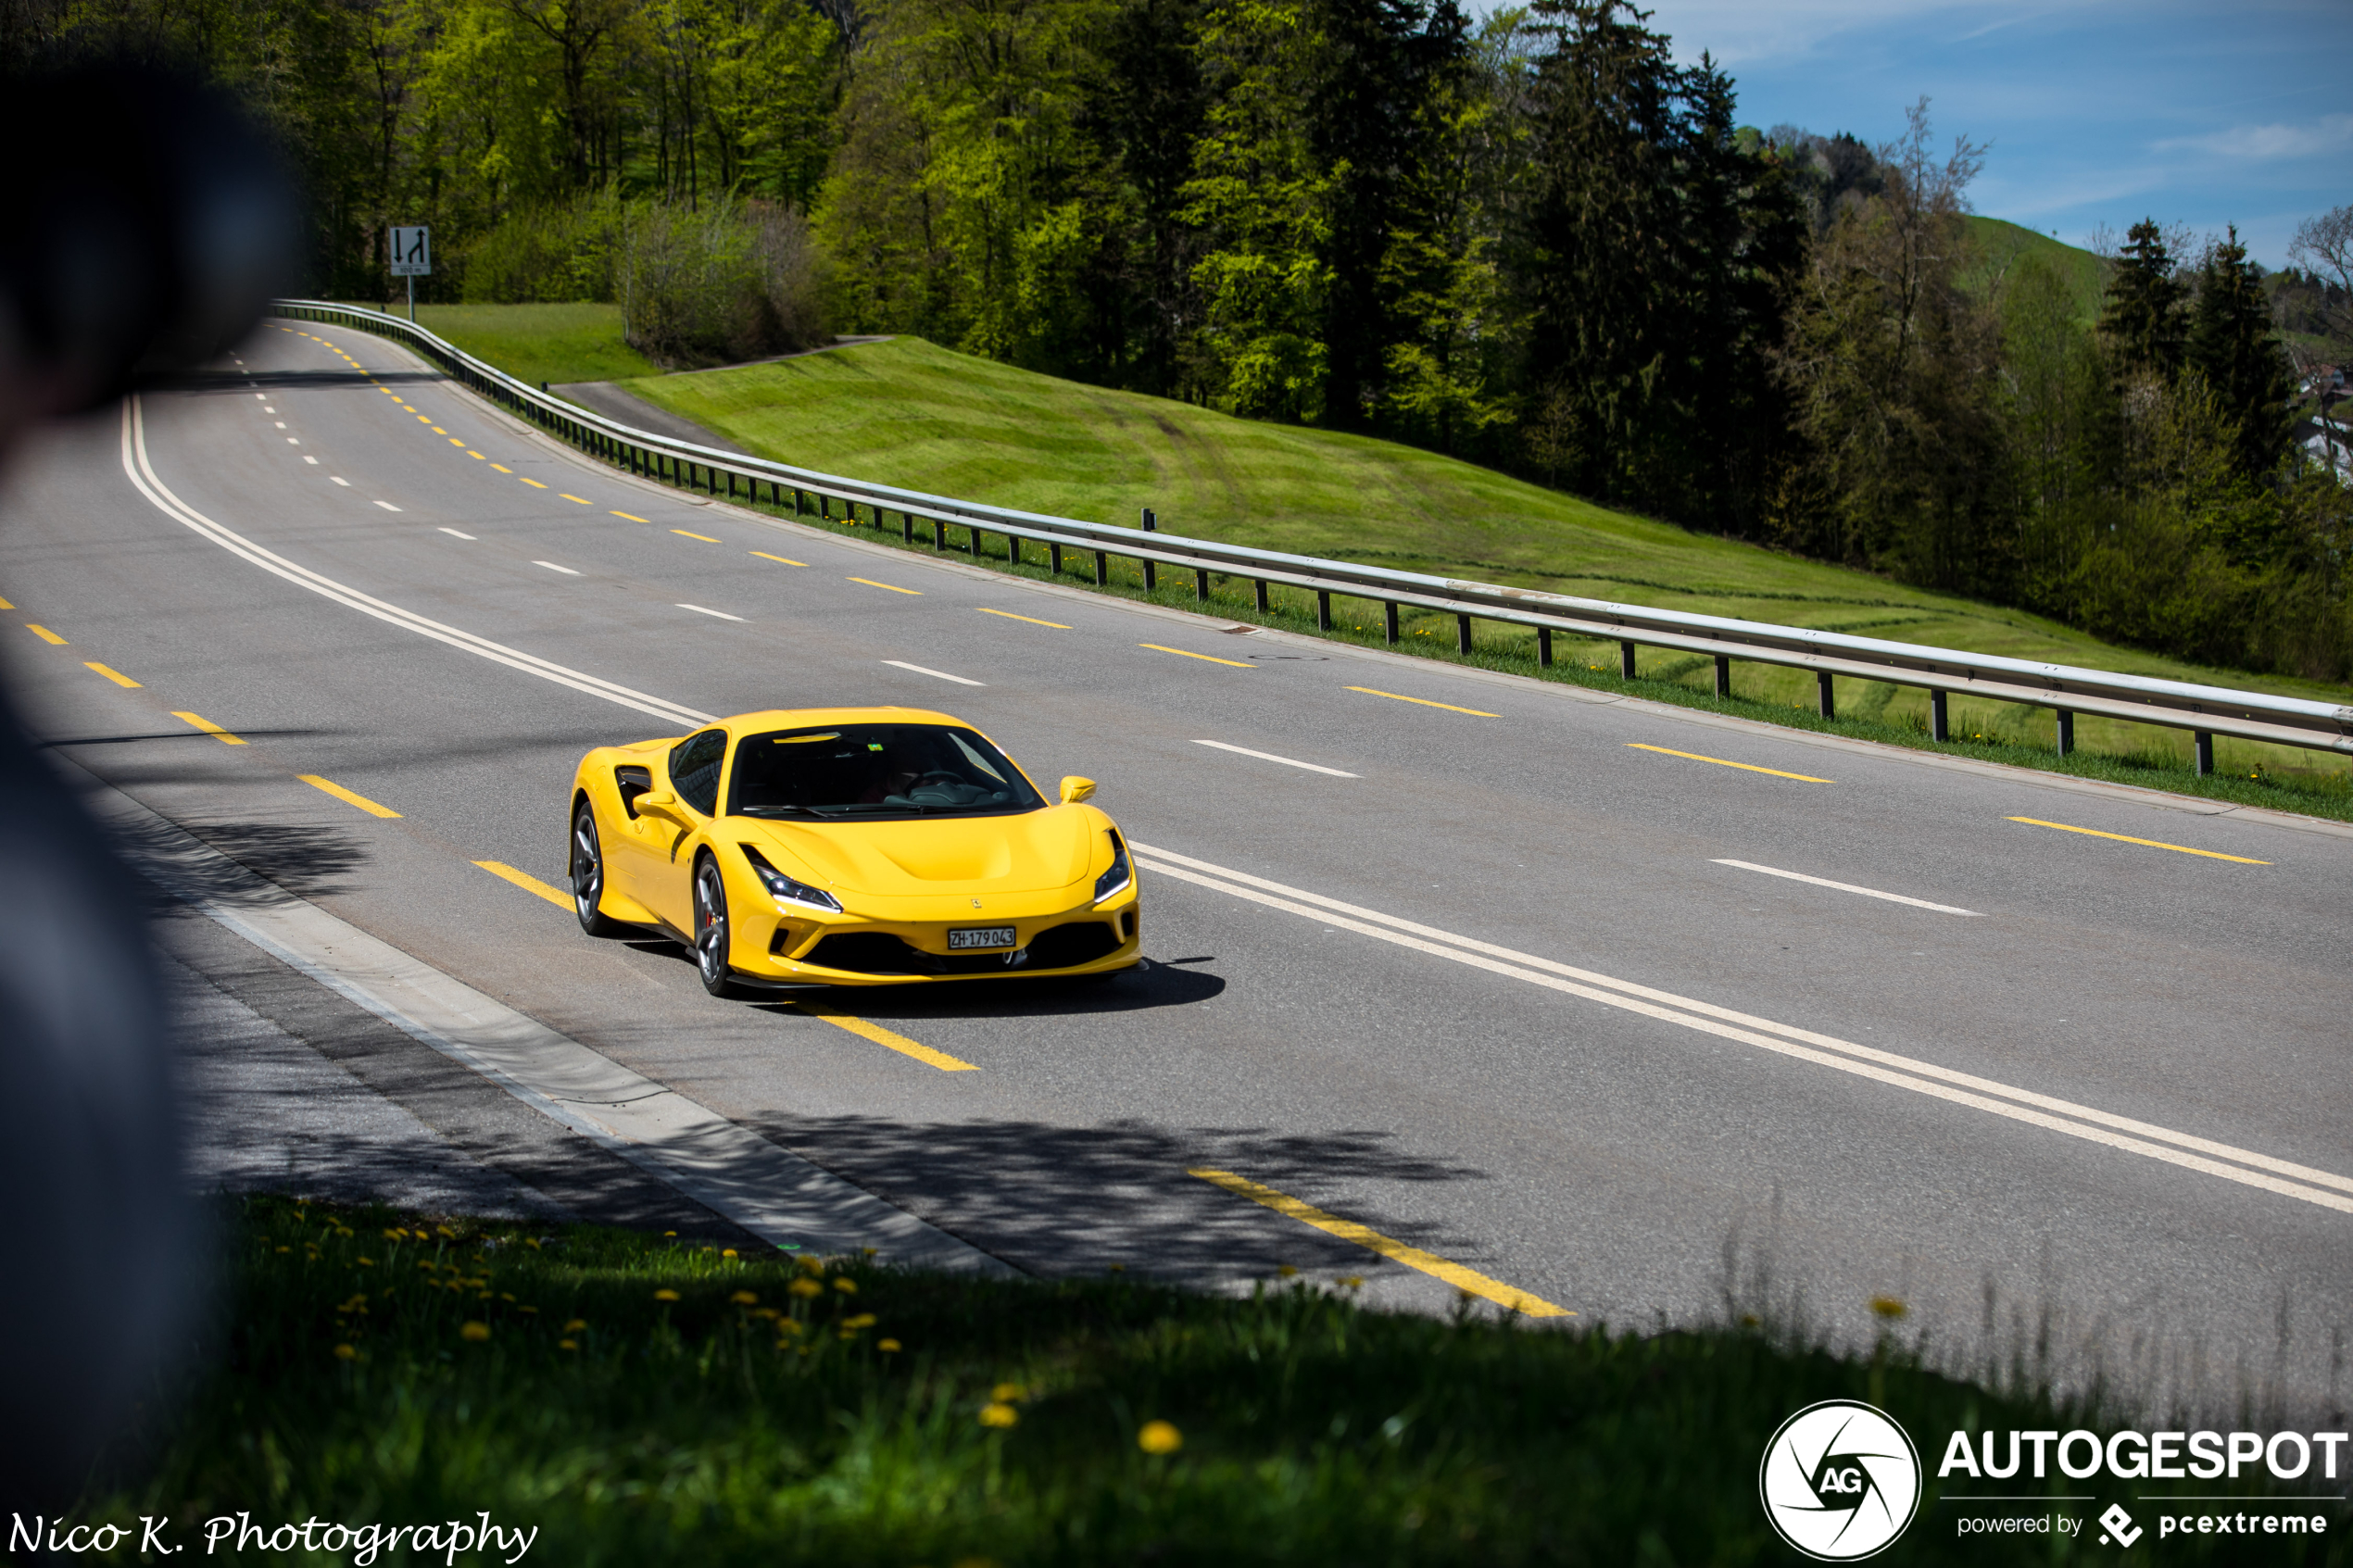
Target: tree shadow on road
[1063, 1201]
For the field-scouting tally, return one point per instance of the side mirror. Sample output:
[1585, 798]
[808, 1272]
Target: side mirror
[1075, 789]
[656, 800]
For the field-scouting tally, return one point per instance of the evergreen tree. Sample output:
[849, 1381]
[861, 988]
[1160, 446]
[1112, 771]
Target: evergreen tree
[2231, 346]
[2143, 314]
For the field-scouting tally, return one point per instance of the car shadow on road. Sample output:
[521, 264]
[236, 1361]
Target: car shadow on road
[1064, 1201]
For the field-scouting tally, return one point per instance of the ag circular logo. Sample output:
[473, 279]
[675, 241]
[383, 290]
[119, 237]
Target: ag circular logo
[1840, 1480]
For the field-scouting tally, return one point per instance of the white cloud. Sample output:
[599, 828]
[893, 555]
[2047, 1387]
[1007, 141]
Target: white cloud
[2252, 144]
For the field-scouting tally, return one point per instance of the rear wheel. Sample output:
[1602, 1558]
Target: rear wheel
[711, 928]
[589, 874]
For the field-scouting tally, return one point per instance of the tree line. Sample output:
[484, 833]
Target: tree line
[1534, 241]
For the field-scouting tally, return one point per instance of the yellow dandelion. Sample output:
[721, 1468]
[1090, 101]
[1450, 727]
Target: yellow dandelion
[1287, 1271]
[744, 1298]
[846, 1283]
[787, 1326]
[347, 1353]
[805, 1288]
[1159, 1437]
[886, 1346]
[728, 1253]
[575, 1326]
[286, 1250]
[998, 1416]
[567, 1344]
[1888, 1306]
[475, 1330]
[666, 1296]
[863, 1319]
[1006, 1392]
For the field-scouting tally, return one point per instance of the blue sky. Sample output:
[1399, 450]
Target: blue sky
[2098, 111]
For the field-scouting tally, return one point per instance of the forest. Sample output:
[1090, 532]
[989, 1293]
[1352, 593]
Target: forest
[1534, 241]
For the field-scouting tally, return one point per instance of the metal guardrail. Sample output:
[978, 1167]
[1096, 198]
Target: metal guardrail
[2206, 711]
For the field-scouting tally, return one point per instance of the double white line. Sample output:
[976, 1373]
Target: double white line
[135, 464]
[2245, 1166]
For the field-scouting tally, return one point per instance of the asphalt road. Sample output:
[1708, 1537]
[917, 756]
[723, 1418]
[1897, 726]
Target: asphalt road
[1524, 1108]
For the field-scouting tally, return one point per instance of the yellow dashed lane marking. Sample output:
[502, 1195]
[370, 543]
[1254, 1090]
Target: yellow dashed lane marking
[1206, 657]
[116, 676]
[502, 467]
[582, 499]
[1031, 619]
[373, 807]
[883, 1037]
[454, 441]
[528, 882]
[704, 537]
[45, 634]
[2152, 843]
[765, 555]
[471, 453]
[1461, 1278]
[632, 517]
[5, 605]
[209, 727]
[1744, 767]
[533, 482]
[1425, 702]
[871, 583]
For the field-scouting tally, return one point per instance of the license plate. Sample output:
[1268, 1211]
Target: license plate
[980, 936]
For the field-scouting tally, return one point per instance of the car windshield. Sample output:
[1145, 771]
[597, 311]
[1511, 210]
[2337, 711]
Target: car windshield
[875, 770]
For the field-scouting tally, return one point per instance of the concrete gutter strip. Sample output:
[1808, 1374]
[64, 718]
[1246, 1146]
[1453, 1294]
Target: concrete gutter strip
[774, 1194]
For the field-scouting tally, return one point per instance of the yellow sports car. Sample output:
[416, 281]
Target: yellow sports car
[848, 847]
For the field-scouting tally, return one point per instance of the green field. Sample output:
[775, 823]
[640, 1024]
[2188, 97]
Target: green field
[639, 1400]
[539, 343]
[907, 412]
[2001, 245]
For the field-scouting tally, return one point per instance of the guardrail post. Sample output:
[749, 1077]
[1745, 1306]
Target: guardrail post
[1389, 623]
[1825, 700]
[1323, 610]
[906, 527]
[1543, 647]
[1054, 559]
[2205, 744]
[1200, 584]
[1151, 578]
[2066, 730]
[1723, 675]
[1261, 594]
[799, 502]
[1103, 570]
[1939, 725]
[1624, 662]
[1461, 633]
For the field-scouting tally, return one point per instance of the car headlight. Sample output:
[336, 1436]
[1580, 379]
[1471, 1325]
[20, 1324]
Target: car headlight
[788, 889]
[1116, 879]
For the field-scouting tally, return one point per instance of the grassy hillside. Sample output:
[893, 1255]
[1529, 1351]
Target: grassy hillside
[2001, 245]
[537, 343]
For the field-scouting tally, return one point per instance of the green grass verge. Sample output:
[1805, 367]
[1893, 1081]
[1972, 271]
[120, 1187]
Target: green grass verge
[2001, 245]
[641, 1401]
[538, 343]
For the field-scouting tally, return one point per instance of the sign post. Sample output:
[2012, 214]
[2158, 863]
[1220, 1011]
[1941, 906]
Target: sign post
[412, 254]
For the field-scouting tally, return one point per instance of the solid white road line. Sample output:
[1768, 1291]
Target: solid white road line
[1850, 887]
[1921, 1077]
[310, 459]
[143, 478]
[1286, 761]
[387, 506]
[728, 1167]
[345, 483]
[451, 531]
[553, 567]
[697, 609]
[940, 674]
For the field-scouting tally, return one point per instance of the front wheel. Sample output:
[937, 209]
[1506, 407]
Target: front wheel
[711, 928]
[588, 876]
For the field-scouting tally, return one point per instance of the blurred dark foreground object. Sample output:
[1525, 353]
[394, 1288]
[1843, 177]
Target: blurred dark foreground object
[146, 225]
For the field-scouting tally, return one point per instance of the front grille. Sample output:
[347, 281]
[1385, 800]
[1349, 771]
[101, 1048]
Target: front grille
[878, 952]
